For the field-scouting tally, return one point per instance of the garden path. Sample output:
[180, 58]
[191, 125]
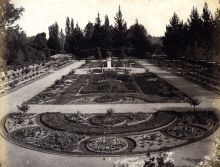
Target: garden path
[207, 98]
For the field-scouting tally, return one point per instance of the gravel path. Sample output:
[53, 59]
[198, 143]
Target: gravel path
[207, 98]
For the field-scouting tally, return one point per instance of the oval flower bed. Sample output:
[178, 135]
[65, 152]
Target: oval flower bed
[106, 144]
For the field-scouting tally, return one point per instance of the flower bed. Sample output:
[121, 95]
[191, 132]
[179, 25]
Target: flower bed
[75, 133]
[106, 144]
[109, 87]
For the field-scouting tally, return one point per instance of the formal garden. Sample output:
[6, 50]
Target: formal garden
[107, 133]
[109, 86]
[128, 104]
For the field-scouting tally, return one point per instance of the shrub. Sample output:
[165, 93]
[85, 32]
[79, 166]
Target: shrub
[23, 108]
[194, 102]
[110, 112]
[15, 82]
[12, 84]
[59, 82]
[63, 77]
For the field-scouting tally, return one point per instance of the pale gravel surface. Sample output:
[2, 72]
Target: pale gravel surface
[21, 157]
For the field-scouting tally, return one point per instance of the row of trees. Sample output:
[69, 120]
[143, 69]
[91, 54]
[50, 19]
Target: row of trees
[198, 38]
[16, 48]
[99, 35]
[21, 50]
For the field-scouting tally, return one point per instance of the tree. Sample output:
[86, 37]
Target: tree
[106, 23]
[9, 14]
[88, 33]
[173, 40]
[107, 36]
[39, 42]
[195, 34]
[77, 40]
[97, 39]
[62, 39]
[137, 35]
[15, 43]
[53, 41]
[217, 35]
[120, 30]
[207, 32]
[71, 26]
[68, 36]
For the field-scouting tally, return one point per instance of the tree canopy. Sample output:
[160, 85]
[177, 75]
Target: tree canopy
[195, 39]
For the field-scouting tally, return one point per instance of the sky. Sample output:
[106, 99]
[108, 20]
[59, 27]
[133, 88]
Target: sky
[153, 14]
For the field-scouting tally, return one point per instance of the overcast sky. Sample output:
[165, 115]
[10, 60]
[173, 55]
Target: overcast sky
[153, 14]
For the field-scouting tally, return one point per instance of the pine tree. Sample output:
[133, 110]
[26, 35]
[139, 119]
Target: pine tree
[195, 25]
[62, 39]
[97, 39]
[120, 30]
[98, 21]
[207, 32]
[88, 33]
[77, 41]
[106, 23]
[217, 35]
[72, 26]
[173, 40]
[68, 36]
[107, 33]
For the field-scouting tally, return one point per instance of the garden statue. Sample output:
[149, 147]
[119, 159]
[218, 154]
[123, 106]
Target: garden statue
[109, 61]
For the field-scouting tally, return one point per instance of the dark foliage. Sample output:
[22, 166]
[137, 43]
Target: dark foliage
[195, 39]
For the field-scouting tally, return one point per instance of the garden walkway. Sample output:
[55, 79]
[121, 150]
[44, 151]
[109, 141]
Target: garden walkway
[207, 98]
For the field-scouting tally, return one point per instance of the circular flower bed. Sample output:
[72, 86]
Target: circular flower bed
[107, 144]
[183, 131]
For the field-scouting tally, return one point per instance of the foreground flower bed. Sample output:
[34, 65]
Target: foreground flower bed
[107, 133]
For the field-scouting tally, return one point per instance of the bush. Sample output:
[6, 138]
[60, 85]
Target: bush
[15, 82]
[11, 84]
[23, 108]
[59, 82]
[63, 77]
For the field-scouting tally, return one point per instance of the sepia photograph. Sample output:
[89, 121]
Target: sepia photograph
[109, 83]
